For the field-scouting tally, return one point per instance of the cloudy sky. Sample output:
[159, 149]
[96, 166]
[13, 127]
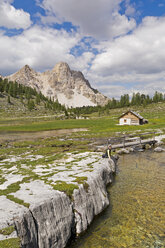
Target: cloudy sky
[118, 45]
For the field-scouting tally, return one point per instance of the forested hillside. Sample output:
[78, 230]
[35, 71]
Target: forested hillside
[125, 101]
[17, 98]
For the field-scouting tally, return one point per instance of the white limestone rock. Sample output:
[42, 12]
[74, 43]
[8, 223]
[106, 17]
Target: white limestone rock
[123, 151]
[8, 211]
[52, 222]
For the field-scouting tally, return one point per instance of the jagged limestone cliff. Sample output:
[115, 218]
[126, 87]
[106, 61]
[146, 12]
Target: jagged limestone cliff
[53, 222]
[68, 86]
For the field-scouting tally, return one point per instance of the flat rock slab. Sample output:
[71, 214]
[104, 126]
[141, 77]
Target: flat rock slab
[10, 178]
[75, 169]
[35, 192]
[8, 211]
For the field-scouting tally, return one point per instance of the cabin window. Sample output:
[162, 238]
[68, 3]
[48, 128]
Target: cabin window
[125, 120]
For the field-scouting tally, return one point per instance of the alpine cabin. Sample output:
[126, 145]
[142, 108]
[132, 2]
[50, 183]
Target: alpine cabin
[131, 118]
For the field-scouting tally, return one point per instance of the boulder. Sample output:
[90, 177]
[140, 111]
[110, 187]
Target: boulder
[123, 151]
[159, 149]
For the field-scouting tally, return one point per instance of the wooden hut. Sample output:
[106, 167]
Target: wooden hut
[131, 118]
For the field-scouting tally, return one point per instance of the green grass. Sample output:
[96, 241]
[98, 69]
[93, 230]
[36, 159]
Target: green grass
[80, 180]
[7, 230]
[46, 125]
[10, 243]
[67, 188]
[97, 126]
[19, 201]
[14, 187]
[2, 158]
[83, 181]
[2, 179]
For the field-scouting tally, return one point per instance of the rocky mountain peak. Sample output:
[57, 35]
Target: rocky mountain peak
[27, 70]
[61, 66]
[27, 76]
[62, 71]
[68, 86]
[27, 67]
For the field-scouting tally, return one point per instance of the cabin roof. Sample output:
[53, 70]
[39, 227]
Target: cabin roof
[134, 113]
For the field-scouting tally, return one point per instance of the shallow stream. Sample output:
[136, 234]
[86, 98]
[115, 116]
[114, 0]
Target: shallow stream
[136, 215]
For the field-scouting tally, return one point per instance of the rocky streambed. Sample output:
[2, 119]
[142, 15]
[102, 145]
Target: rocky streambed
[51, 202]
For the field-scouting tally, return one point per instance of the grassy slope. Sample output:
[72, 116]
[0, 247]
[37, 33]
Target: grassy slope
[155, 113]
[19, 109]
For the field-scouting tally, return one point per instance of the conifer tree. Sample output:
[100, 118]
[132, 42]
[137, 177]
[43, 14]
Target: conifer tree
[8, 99]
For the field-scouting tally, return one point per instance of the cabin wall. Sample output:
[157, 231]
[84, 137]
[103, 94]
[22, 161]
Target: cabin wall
[135, 122]
[124, 121]
[129, 121]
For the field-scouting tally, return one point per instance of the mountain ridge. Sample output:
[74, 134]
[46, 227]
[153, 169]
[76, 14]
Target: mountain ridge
[68, 86]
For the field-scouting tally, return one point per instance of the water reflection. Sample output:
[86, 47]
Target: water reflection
[136, 216]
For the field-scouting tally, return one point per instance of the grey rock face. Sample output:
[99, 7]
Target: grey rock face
[69, 87]
[55, 222]
[27, 230]
[52, 223]
[49, 224]
[89, 203]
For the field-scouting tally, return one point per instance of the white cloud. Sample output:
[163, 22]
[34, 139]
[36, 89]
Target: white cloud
[135, 61]
[142, 52]
[81, 63]
[97, 18]
[40, 48]
[113, 90]
[13, 18]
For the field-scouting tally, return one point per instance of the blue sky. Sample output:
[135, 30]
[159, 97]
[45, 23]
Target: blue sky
[118, 45]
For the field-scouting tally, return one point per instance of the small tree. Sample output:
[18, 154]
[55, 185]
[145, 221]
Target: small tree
[30, 105]
[66, 114]
[8, 99]
[38, 99]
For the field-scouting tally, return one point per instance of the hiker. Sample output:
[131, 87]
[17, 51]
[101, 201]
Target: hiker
[109, 151]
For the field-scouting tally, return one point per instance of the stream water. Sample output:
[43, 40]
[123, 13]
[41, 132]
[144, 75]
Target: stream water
[136, 215]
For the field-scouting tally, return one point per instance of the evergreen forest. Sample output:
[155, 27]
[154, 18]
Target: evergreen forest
[32, 98]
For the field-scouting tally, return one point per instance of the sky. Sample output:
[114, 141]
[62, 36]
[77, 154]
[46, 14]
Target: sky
[118, 45]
